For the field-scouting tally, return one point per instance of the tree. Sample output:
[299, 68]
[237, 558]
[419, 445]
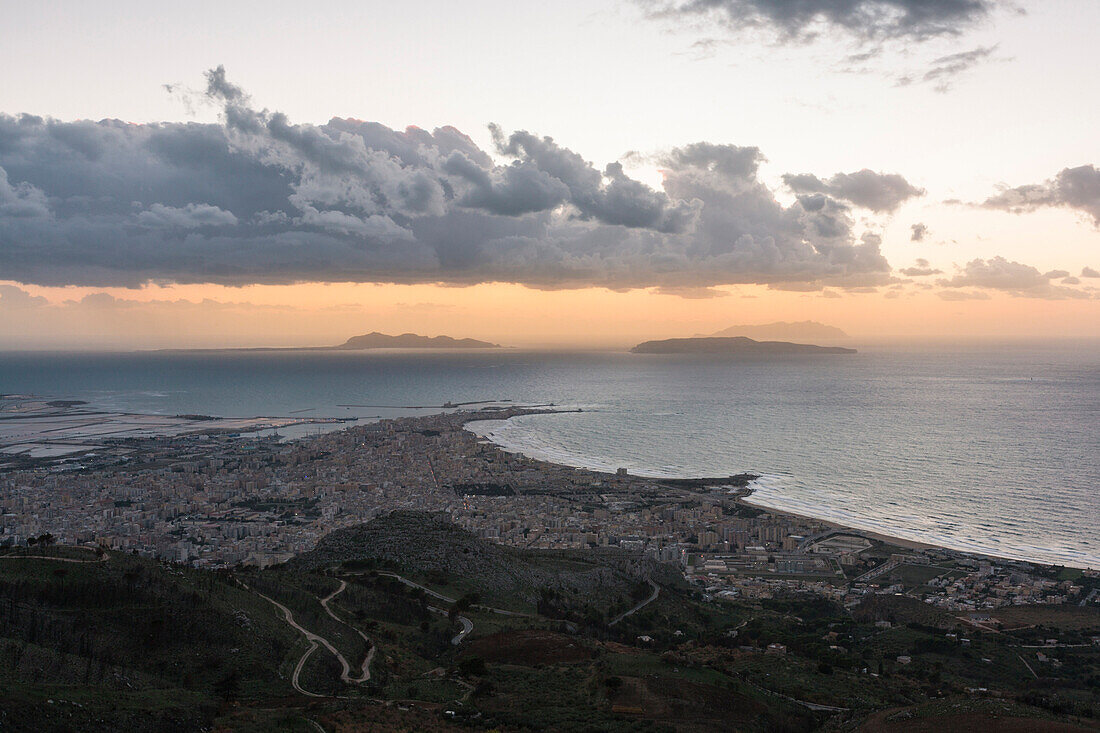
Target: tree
[462, 604]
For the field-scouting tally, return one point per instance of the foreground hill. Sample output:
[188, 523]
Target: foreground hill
[376, 340]
[784, 331]
[733, 346]
[411, 623]
[429, 546]
[121, 643]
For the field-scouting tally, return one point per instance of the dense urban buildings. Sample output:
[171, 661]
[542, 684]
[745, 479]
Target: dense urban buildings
[219, 499]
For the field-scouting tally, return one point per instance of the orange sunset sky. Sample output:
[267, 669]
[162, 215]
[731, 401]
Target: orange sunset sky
[582, 175]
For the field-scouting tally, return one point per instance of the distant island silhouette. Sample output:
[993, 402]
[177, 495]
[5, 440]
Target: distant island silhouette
[782, 330]
[733, 345]
[376, 340]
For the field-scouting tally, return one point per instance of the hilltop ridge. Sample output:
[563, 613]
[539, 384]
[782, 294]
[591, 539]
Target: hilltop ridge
[423, 543]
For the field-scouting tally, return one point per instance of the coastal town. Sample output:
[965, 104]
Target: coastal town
[220, 499]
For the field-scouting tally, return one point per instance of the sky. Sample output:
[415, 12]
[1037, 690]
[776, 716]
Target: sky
[559, 174]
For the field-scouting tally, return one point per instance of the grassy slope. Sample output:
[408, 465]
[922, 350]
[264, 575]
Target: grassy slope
[132, 644]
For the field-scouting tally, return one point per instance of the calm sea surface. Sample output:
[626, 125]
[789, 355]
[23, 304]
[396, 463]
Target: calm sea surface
[993, 449]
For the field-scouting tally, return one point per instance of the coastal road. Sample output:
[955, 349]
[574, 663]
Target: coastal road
[640, 606]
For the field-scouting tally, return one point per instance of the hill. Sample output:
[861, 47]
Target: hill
[733, 346]
[368, 632]
[376, 340]
[429, 547]
[118, 642]
[782, 330]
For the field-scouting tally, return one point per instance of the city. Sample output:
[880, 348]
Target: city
[224, 499]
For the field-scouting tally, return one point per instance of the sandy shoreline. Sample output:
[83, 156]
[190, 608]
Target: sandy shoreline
[879, 536]
[884, 538]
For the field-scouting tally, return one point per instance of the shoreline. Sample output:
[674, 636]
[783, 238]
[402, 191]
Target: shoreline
[832, 524]
[505, 412]
[881, 537]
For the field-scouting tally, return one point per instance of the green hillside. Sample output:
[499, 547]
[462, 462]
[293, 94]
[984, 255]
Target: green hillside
[410, 623]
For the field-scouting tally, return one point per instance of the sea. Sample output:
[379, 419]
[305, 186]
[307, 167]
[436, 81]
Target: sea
[991, 448]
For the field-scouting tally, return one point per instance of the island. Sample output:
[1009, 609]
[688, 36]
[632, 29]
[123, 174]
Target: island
[782, 330]
[372, 340]
[376, 340]
[733, 346]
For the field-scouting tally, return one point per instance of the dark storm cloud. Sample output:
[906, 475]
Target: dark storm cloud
[21, 201]
[259, 199]
[879, 192]
[610, 197]
[863, 20]
[1076, 188]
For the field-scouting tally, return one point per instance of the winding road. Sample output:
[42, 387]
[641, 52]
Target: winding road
[640, 606]
[364, 675]
[467, 624]
[316, 639]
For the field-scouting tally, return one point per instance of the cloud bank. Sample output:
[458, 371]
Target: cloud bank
[879, 192]
[863, 20]
[1076, 188]
[1010, 277]
[257, 198]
